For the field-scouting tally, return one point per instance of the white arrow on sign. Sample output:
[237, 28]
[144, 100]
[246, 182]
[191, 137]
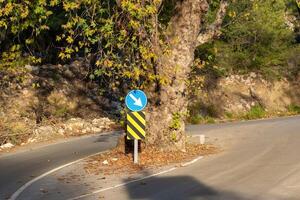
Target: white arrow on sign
[137, 102]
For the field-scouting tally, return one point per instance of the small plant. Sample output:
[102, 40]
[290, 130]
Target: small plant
[199, 119]
[212, 111]
[229, 115]
[255, 112]
[176, 121]
[61, 112]
[173, 136]
[294, 109]
[210, 120]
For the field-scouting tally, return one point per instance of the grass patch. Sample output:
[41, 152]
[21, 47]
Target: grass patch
[294, 109]
[199, 119]
[229, 115]
[61, 112]
[255, 112]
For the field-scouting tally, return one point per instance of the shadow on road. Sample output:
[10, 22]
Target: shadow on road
[107, 137]
[177, 187]
[155, 188]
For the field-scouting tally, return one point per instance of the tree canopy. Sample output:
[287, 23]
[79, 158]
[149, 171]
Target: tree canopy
[118, 34]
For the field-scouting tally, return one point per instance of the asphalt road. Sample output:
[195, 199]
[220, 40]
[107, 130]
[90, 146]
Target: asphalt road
[19, 168]
[260, 160]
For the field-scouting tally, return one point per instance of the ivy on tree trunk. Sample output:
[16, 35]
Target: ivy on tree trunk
[168, 106]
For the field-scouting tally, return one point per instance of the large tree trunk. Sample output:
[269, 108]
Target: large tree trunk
[168, 106]
[168, 110]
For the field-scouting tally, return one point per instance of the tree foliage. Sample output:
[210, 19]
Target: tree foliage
[114, 35]
[118, 36]
[257, 36]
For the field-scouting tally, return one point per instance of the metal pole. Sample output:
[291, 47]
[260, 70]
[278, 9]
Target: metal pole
[136, 151]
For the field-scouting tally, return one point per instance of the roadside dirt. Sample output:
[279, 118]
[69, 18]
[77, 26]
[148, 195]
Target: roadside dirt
[117, 162]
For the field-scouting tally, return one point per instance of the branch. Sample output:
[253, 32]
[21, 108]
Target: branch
[158, 3]
[118, 2]
[298, 6]
[214, 30]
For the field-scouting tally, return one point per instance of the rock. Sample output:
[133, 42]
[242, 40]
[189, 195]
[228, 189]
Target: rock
[60, 100]
[105, 162]
[61, 131]
[31, 68]
[31, 140]
[253, 75]
[77, 125]
[248, 106]
[44, 133]
[240, 106]
[7, 145]
[84, 131]
[97, 121]
[25, 92]
[88, 129]
[102, 122]
[68, 73]
[96, 130]
[243, 101]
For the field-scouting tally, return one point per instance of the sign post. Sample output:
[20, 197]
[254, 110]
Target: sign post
[136, 152]
[136, 101]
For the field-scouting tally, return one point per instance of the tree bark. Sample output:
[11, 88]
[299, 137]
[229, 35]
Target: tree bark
[214, 30]
[167, 112]
[168, 105]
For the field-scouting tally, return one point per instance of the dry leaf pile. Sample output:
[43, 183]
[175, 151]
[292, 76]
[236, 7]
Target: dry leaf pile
[116, 162]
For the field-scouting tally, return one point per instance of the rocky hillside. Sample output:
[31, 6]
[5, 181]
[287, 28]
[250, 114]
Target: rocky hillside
[236, 95]
[52, 101]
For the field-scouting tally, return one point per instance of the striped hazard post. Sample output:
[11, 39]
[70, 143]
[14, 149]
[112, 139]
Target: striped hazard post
[136, 101]
[136, 124]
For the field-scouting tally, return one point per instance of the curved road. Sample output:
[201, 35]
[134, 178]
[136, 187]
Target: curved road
[18, 168]
[260, 160]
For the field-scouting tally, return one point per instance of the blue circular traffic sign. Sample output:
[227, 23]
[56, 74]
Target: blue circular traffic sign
[136, 100]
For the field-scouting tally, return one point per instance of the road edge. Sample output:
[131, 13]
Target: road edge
[139, 179]
[17, 193]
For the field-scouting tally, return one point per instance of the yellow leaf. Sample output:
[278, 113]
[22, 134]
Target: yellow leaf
[70, 5]
[69, 39]
[54, 2]
[3, 24]
[98, 63]
[58, 38]
[61, 55]
[29, 41]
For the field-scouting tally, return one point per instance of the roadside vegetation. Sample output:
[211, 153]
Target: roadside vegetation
[252, 42]
[160, 46]
[255, 112]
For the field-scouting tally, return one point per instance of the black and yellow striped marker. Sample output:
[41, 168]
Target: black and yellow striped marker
[136, 125]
